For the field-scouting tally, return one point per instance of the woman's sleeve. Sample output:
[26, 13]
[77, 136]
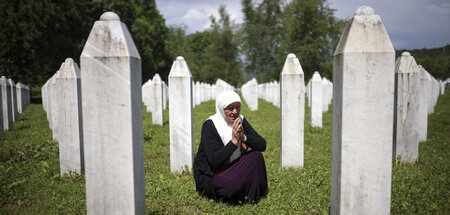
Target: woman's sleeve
[254, 140]
[216, 153]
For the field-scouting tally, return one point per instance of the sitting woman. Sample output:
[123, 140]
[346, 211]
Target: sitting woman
[223, 168]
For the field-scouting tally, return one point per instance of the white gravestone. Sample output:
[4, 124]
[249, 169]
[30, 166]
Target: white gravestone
[1, 112]
[406, 109]
[13, 99]
[7, 104]
[292, 113]
[423, 108]
[157, 101]
[112, 120]
[71, 134]
[363, 97]
[55, 113]
[146, 95]
[316, 100]
[20, 97]
[181, 116]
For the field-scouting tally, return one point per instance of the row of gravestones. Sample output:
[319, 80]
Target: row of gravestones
[112, 136]
[155, 95]
[367, 135]
[95, 114]
[14, 99]
[319, 92]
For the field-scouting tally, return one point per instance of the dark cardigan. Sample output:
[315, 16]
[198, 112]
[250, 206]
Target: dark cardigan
[212, 154]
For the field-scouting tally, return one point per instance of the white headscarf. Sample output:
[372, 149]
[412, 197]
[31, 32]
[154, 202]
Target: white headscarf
[222, 126]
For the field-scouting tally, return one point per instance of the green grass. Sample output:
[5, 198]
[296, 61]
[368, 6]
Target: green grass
[30, 181]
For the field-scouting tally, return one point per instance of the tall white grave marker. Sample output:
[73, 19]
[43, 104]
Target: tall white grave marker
[423, 107]
[157, 101]
[406, 104]
[316, 100]
[71, 135]
[7, 104]
[181, 116]
[13, 99]
[292, 113]
[112, 120]
[363, 97]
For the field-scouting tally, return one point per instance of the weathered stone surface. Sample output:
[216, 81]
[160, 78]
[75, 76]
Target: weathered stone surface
[1, 111]
[292, 113]
[13, 99]
[316, 100]
[423, 107]
[55, 113]
[71, 155]
[157, 100]
[406, 109]
[147, 95]
[250, 94]
[112, 120]
[20, 97]
[7, 104]
[181, 116]
[363, 96]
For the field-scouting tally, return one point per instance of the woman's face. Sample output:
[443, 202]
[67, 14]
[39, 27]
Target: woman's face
[232, 112]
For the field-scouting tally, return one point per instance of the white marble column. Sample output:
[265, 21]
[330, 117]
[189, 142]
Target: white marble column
[292, 113]
[1, 110]
[7, 104]
[157, 100]
[20, 97]
[13, 99]
[71, 155]
[406, 109]
[423, 107]
[316, 100]
[112, 120]
[363, 103]
[181, 116]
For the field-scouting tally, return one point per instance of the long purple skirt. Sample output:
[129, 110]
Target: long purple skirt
[244, 180]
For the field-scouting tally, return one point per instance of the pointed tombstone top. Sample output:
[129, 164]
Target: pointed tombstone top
[291, 65]
[406, 64]
[109, 16]
[156, 79]
[69, 69]
[364, 33]
[11, 82]
[5, 81]
[110, 37]
[316, 77]
[180, 68]
[365, 10]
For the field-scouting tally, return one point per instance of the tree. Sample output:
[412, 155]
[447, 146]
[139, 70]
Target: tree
[149, 32]
[37, 36]
[261, 38]
[311, 32]
[221, 55]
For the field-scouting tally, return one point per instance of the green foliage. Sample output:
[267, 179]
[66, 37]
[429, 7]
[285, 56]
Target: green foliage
[221, 55]
[312, 33]
[149, 32]
[37, 36]
[436, 61]
[261, 35]
[30, 181]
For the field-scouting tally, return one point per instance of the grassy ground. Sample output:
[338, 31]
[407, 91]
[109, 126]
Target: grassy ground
[30, 181]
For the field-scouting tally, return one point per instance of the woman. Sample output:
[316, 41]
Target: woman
[223, 168]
